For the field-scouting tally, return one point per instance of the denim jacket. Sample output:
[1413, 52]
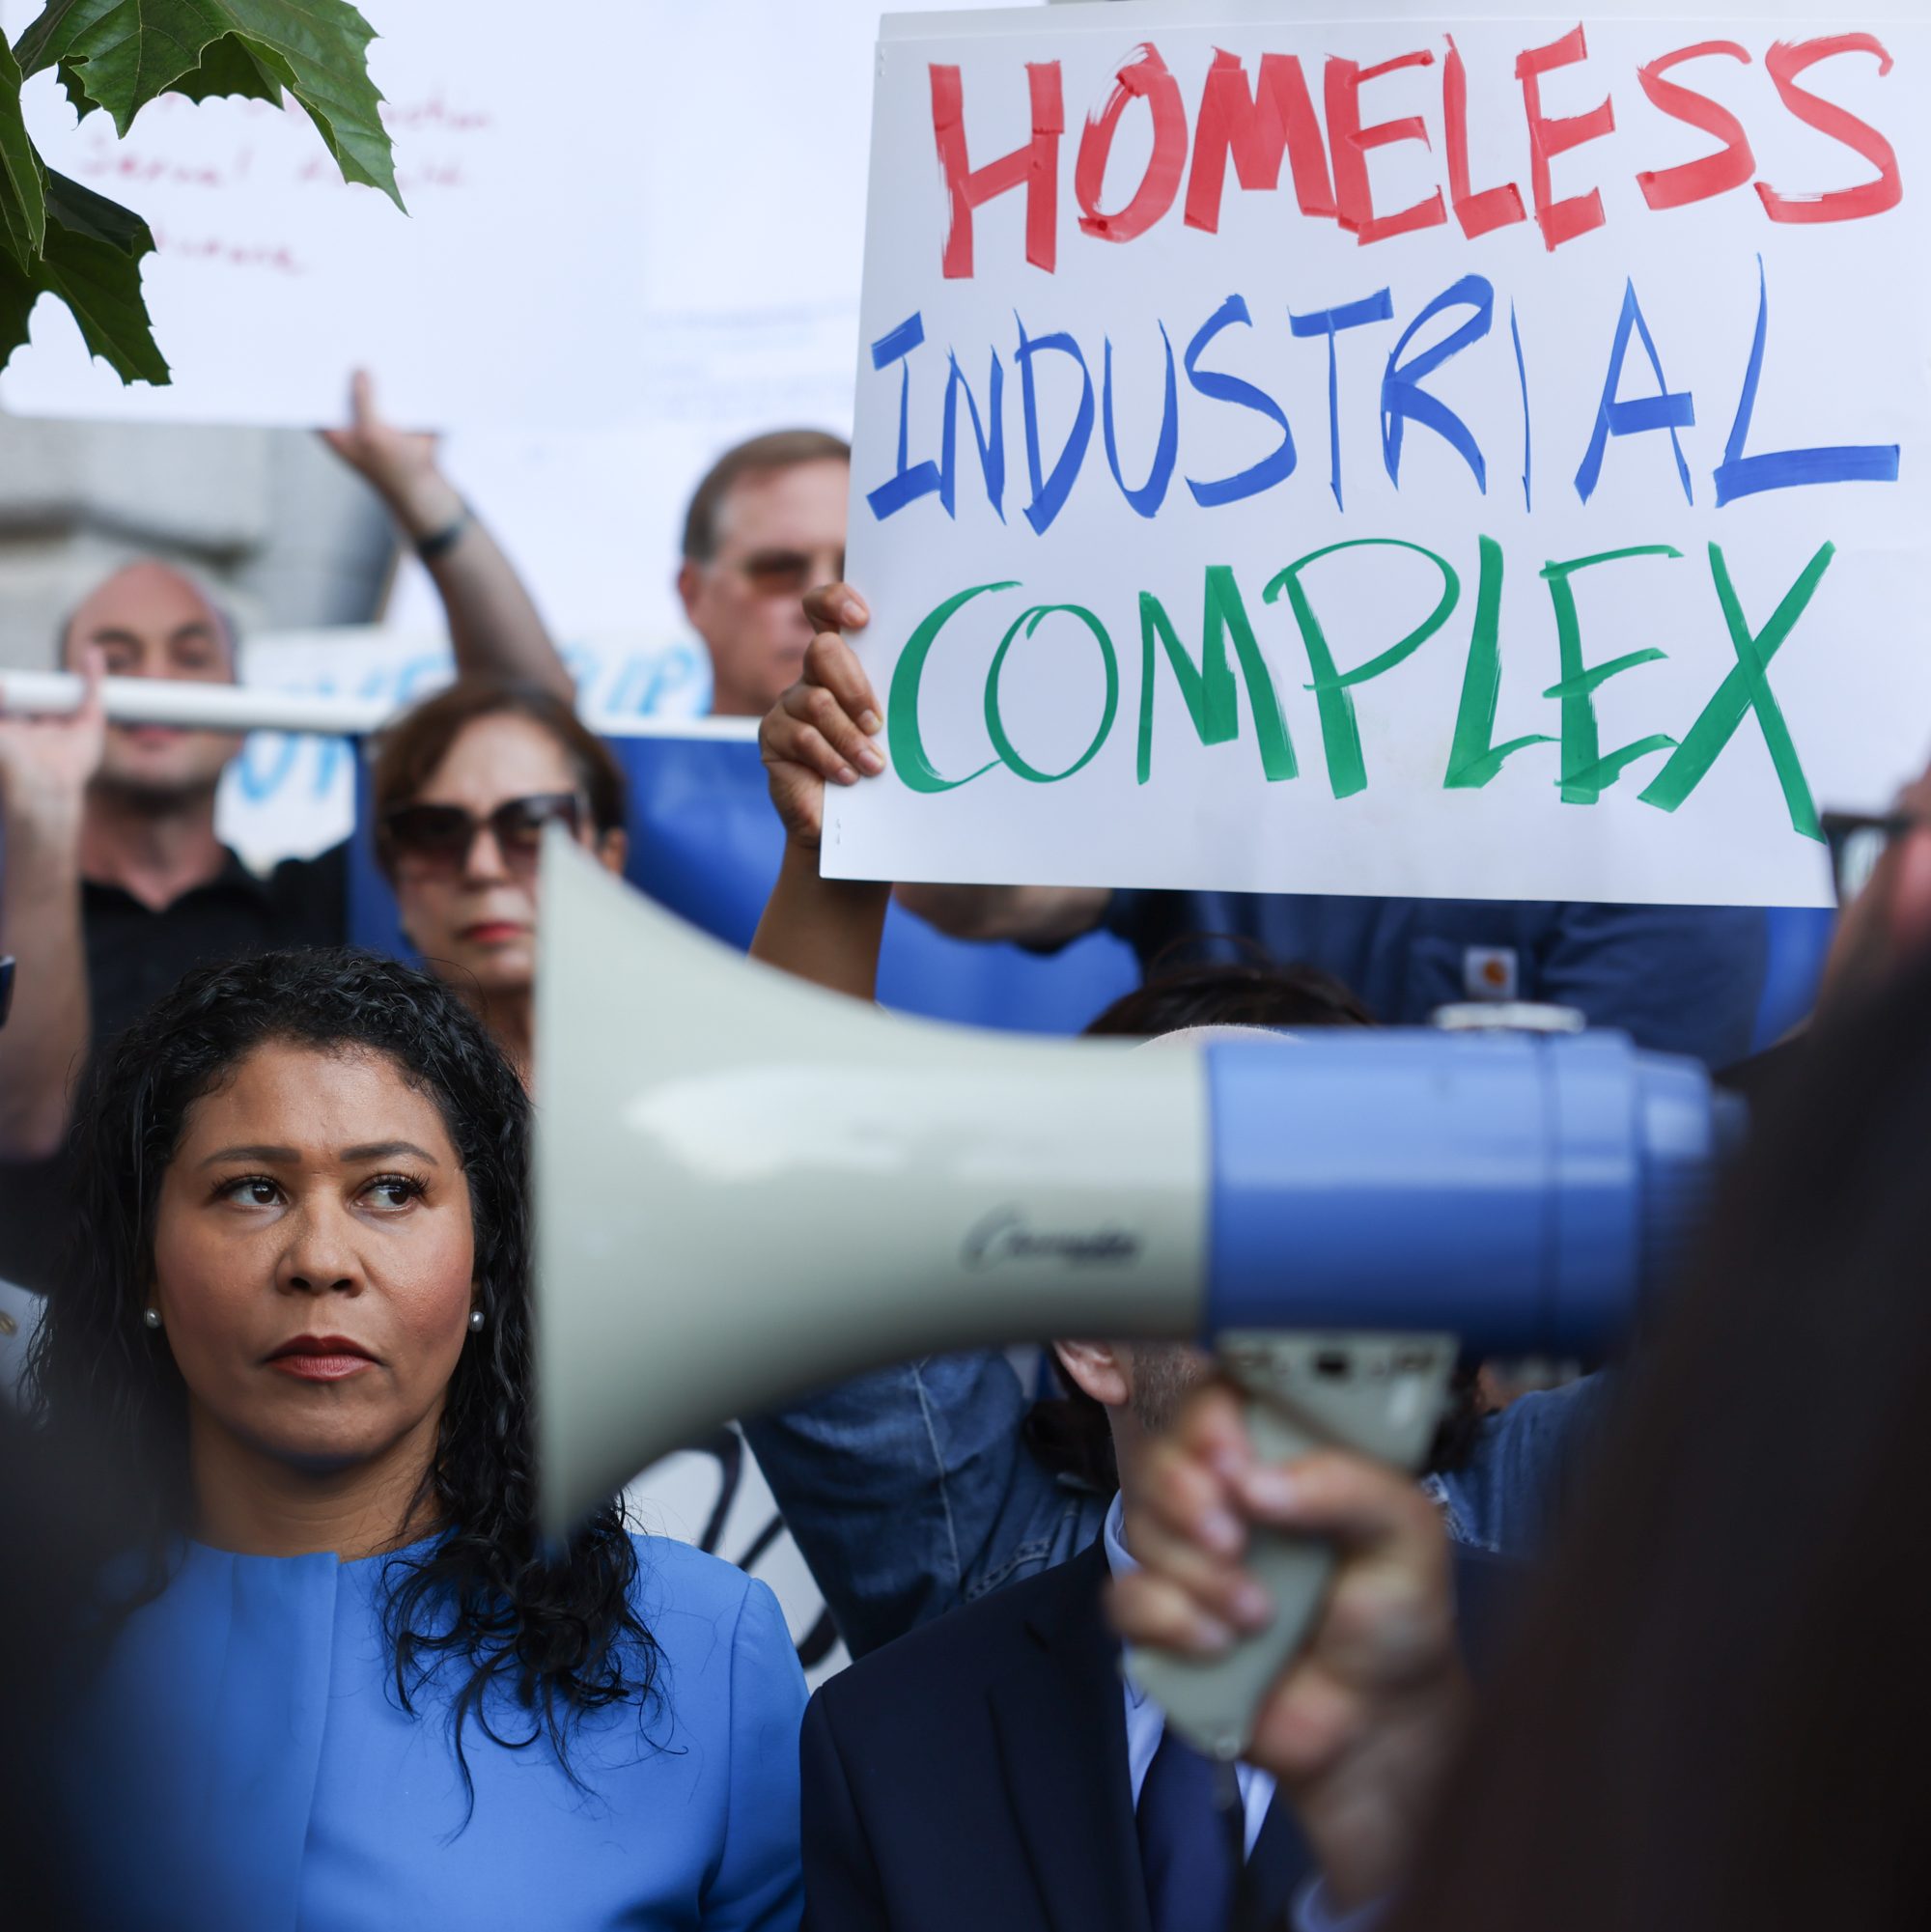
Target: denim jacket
[912, 1491]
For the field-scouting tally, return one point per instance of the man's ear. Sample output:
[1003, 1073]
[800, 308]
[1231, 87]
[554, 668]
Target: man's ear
[613, 849]
[1103, 1370]
[689, 585]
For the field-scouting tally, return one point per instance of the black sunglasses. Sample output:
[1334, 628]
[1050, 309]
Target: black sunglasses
[785, 573]
[439, 838]
[1857, 840]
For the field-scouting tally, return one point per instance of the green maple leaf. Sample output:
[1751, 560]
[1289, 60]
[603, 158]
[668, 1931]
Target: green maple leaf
[227, 66]
[23, 213]
[121, 54]
[92, 261]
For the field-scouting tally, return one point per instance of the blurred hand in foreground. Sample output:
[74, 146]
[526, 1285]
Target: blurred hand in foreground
[1361, 1724]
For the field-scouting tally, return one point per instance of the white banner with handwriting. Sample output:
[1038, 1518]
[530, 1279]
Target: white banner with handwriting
[1444, 457]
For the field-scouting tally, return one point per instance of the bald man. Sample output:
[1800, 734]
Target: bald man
[114, 882]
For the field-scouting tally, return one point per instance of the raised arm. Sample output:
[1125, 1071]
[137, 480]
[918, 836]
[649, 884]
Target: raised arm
[45, 767]
[493, 626]
[1029, 915]
[900, 1487]
[819, 731]
[1038, 915]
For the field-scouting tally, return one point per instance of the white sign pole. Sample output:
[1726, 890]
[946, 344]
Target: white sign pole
[194, 706]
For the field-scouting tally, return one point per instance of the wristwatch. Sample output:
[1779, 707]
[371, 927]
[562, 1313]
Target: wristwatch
[440, 543]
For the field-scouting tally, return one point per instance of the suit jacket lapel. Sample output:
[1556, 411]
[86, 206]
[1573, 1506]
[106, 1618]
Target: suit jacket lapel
[1061, 1724]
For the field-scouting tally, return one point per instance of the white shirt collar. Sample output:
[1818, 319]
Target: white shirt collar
[1120, 1563]
[1145, 1720]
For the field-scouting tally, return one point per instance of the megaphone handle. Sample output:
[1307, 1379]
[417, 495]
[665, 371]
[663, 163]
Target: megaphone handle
[1380, 1395]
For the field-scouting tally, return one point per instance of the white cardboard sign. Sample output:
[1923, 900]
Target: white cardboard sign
[636, 217]
[509, 293]
[1440, 456]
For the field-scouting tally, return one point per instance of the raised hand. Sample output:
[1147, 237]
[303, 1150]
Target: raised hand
[46, 762]
[821, 731]
[399, 464]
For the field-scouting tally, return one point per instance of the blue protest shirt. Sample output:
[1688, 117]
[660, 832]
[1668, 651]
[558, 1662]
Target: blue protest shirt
[1678, 979]
[241, 1760]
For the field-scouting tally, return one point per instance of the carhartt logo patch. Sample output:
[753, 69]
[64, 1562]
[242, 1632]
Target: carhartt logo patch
[1488, 972]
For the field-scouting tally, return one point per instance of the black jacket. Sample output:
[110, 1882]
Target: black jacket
[973, 1774]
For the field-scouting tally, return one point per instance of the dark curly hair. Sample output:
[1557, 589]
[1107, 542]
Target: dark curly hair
[1069, 1433]
[553, 1629]
[1250, 991]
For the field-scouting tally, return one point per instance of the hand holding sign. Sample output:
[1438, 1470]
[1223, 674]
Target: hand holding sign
[820, 732]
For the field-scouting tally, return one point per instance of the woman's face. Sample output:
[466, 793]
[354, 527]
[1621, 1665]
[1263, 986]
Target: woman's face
[314, 1258]
[475, 922]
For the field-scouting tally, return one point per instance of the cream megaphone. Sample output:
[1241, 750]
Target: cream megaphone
[747, 1188]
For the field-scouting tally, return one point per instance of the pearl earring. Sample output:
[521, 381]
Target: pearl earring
[476, 1321]
[153, 1318]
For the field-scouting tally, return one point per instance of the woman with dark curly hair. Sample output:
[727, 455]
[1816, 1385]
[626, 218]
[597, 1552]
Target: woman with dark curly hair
[339, 1680]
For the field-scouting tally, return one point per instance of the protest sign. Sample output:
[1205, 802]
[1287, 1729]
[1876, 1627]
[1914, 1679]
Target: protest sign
[1440, 456]
[754, 316]
[644, 214]
[503, 295]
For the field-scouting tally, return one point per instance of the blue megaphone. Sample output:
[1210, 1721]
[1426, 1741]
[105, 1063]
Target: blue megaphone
[748, 1189]
[1523, 1192]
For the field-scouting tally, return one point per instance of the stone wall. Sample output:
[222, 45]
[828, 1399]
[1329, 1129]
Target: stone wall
[285, 535]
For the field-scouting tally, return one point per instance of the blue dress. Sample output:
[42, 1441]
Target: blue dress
[241, 1760]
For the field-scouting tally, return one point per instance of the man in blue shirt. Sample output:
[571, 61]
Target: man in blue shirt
[1678, 979]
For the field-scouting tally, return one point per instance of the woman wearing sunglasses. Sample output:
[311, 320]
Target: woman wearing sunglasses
[465, 785]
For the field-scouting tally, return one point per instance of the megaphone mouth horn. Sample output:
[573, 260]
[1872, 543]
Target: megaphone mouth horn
[747, 1187]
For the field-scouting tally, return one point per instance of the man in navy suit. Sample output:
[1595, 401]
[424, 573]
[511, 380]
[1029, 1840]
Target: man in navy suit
[997, 1767]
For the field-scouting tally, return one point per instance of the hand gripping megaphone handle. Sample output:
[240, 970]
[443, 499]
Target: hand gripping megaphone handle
[1380, 1395]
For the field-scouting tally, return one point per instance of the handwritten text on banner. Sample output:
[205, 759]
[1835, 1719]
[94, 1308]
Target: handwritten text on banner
[1481, 459]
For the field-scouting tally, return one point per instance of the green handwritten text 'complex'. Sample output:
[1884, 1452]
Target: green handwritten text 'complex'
[1207, 682]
